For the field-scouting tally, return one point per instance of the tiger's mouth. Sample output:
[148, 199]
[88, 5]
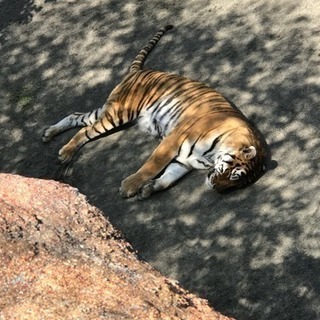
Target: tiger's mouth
[220, 181]
[210, 179]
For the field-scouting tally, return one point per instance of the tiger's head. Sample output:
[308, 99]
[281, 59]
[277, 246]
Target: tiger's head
[235, 169]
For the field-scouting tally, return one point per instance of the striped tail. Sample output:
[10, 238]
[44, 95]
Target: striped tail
[139, 60]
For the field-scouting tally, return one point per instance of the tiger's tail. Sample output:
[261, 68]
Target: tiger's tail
[139, 60]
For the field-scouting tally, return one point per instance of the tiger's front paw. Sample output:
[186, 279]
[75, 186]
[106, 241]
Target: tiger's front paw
[130, 186]
[146, 191]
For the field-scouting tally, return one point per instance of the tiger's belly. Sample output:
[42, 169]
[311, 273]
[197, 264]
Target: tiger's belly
[158, 120]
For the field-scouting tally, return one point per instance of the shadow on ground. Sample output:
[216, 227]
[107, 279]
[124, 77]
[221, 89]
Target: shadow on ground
[254, 254]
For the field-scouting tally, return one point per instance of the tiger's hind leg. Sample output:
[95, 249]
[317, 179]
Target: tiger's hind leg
[173, 172]
[90, 132]
[73, 120]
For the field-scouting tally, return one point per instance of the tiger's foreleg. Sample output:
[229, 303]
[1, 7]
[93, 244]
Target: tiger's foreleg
[166, 151]
[172, 173]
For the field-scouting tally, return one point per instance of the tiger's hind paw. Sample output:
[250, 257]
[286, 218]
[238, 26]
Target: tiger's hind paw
[48, 134]
[66, 154]
[146, 191]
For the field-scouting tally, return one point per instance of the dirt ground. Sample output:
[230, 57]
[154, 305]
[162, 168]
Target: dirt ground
[254, 253]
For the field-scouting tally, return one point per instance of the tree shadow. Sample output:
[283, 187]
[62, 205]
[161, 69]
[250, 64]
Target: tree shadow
[16, 11]
[253, 253]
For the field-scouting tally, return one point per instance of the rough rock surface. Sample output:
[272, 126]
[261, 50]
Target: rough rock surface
[60, 258]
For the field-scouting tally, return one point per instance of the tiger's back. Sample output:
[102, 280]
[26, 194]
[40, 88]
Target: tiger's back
[163, 100]
[199, 129]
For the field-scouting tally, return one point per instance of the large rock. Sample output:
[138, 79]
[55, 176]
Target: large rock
[60, 258]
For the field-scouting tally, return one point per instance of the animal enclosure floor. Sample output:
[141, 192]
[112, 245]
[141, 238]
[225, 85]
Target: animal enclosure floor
[254, 253]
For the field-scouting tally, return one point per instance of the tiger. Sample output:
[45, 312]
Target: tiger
[198, 129]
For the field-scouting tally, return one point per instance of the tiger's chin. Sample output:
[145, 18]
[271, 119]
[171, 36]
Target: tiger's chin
[218, 182]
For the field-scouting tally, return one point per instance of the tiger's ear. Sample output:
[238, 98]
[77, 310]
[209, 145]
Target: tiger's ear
[249, 152]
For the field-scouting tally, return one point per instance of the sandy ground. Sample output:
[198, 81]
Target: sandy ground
[254, 253]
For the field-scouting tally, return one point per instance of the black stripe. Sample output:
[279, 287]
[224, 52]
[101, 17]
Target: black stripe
[110, 119]
[96, 130]
[78, 115]
[127, 83]
[194, 100]
[104, 127]
[192, 147]
[86, 133]
[214, 143]
[180, 163]
[120, 118]
[142, 55]
[182, 144]
[189, 122]
[177, 91]
[83, 121]
[88, 117]
[150, 82]
[180, 93]
[96, 114]
[133, 88]
[190, 100]
[167, 91]
[204, 164]
[130, 115]
[156, 85]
